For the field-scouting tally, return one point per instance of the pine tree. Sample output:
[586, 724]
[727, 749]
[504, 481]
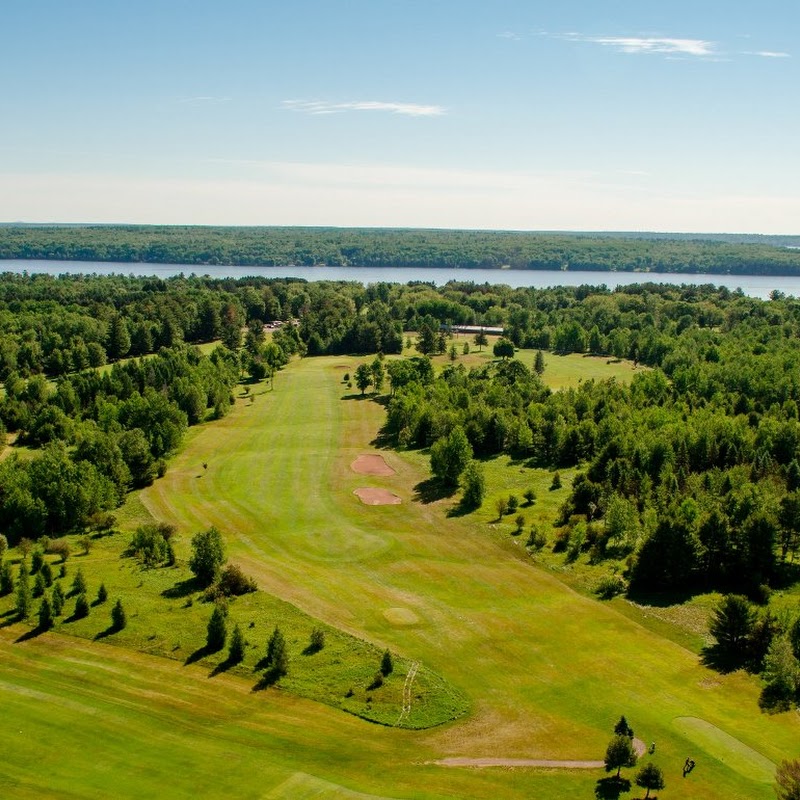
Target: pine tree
[57, 602]
[386, 663]
[24, 598]
[538, 364]
[6, 580]
[81, 607]
[102, 594]
[277, 658]
[217, 630]
[620, 753]
[45, 615]
[118, 617]
[78, 583]
[39, 585]
[236, 649]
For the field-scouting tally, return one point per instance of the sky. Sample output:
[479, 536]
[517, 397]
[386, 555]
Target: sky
[496, 114]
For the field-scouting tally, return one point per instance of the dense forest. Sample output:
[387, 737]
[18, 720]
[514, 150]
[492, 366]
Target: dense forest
[688, 479]
[273, 246]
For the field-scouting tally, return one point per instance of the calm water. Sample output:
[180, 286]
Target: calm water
[752, 285]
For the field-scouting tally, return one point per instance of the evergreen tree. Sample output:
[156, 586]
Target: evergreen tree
[24, 598]
[102, 594]
[731, 624]
[39, 585]
[538, 364]
[623, 729]
[277, 662]
[45, 615]
[237, 646]
[217, 630]
[78, 583]
[47, 573]
[81, 607]
[119, 618]
[119, 339]
[387, 666]
[6, 580]
[57, 602]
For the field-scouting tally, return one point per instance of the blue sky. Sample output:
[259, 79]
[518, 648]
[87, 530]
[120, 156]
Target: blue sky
[506, 114]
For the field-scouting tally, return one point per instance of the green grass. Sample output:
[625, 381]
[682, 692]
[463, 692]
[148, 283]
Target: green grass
[547, 670]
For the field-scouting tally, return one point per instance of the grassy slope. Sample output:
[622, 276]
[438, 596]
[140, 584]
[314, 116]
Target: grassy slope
[548, 670]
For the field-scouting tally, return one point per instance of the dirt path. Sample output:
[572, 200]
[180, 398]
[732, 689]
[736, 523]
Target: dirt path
[638, 745]
[412, 673]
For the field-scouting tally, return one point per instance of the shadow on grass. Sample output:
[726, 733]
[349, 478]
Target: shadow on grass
[660, 599]
[460, 510]
[714, 657]
[109, 631]
[31, 634]
[432, 489]
[201, 652]
[269, 678]
[223, 666]
[611, 788]
[182, 589]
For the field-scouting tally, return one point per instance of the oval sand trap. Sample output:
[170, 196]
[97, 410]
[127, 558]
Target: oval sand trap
[377, 497]
[730, 751]
[371, 465]
[400, 616]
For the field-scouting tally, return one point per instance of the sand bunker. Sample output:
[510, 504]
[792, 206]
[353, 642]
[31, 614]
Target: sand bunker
[377, 497]
[371, 465]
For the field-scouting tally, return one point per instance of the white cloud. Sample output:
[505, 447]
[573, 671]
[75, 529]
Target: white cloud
[328, 107]
[515, 37]
[650, 44]
[768, 54]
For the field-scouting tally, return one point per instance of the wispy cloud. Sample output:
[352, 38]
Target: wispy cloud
[328, 107]
[514, 37]
[767, 54]
[650, 44]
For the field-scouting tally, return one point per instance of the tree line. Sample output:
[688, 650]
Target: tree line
[276, 246]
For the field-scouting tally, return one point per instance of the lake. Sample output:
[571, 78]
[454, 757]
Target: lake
[752, 285]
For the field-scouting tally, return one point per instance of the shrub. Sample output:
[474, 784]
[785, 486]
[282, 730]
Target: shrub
[556, 484]
[47, 573]
[149, 544]
[233, 582]
[610, 586]
[536, 538]
[530, 497]
[513, 503]
[58, 547]
[316, 641]
[39, 585]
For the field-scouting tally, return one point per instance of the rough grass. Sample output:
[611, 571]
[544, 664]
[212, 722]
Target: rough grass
[547, 671]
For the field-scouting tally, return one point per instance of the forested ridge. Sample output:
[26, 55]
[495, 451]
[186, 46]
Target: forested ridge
[276, 246]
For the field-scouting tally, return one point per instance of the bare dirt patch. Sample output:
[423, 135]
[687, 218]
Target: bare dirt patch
[372, 464]
[377, 497]
[518, 762]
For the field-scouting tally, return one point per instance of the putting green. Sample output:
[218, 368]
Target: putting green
[729, 750]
